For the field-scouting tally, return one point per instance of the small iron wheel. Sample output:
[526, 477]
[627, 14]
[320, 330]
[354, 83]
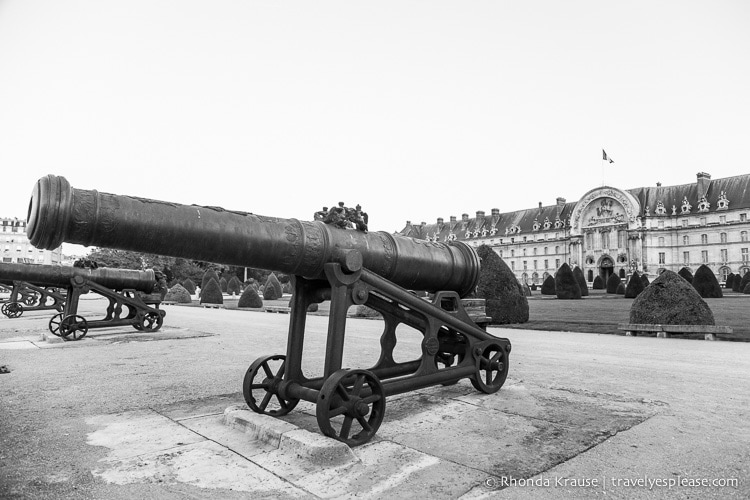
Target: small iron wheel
[492, 369]
[54, 324]
[73, 327]
[269, 370]
[150, 322]
[351, 406]
[12, 309]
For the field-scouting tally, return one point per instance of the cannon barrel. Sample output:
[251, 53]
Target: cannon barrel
[59, 213]
[60, 276]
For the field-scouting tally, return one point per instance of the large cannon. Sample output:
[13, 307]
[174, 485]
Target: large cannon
[129, 294]
[346, 266]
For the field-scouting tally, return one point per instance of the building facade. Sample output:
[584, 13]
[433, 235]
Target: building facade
[15, 246]
[611, 230]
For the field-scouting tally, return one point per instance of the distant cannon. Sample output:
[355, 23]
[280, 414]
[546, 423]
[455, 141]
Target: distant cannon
[128, 292]
[23, 296]
[349, 267]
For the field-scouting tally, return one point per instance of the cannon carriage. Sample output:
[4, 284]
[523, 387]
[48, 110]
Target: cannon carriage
[346, 266]
[24, 296]
[129, 294]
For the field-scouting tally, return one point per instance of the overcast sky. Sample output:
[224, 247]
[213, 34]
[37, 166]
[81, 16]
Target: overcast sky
[413, 109]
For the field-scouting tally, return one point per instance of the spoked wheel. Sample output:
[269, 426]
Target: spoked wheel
[54, 324]
[73, 327]
[351, 406]
[12, 309]
[260, 386]
[492, 368]
[150, 322]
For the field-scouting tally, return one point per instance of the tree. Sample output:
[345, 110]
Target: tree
[612, 282]
[670, 300]
[178, 294]
[620, 289]
[635, 286]
[706, 284]
[729, 281]
[223, 284]
[505, 300]
[211, 293]
[736, 283]
[210, 274]
[566, 284]
[250, 298]
[598, 283]
[645, 280]
[744, 281]
[548, 286]
[581, 279]
[272, 290]
[686, 274]
[189, 286]
[118, 259]
[234, 287]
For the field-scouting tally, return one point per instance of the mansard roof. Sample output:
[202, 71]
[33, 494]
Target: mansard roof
[735, 190]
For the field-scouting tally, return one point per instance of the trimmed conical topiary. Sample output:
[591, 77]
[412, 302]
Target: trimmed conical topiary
[736, 283]
[598, 283]
[272, 290]
[234, 287]
[548, 286]
[729, 281]
[211, 293]
[189, 286]
[620, 289]
[645, 280]
[223, 284]
[612, 283]
[209, 275]
[250, 298]
[178, 294]
[581, 279]
[566, 284]
[744, 281]
[686, 274]
[670, 300]
[505, 298]
[706, 284]
[635, 286]
[746, 291]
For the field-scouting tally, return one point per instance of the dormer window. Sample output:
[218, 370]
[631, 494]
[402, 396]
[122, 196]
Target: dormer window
[703, 204]
[723, 202]
[686, 206]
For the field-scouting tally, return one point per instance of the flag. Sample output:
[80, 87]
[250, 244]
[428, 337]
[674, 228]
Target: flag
[605, 157]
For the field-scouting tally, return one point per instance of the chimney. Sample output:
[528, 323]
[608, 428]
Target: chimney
[440, 220]
[464, 217]
[704, 180]
[658, 184]
[480, 214]
[453, 218]
[540, 204]
[495, 212]
[560, 202]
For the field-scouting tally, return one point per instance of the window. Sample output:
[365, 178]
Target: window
[684, 223]
[704, 239]
[524, 265]
[724, 255]
[686, 240]
[557, 250]
[545, 249]
[703, 221]
[524, 252]
[557, 263]
[744, 255]
[704, 256]
[535, 266]
[524, 239]
[546, 264]
[605, 239]
[589, 241]
[722, 219]
[512, 266]
[501, 254]
[621, 239]
[661, 241]
[512, 253]
[662, 257]
[723, 273]
[743, 236]
[534, 250]
[723, 237]
[661, 224]
[686, 257]
[743, 217]
[590, 276]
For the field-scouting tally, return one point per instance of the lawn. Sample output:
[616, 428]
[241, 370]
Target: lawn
[601, 313]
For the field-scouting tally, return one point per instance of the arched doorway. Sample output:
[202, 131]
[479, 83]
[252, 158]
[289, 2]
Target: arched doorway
[606, 267]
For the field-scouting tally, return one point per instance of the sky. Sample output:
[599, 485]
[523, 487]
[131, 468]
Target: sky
[413, 109]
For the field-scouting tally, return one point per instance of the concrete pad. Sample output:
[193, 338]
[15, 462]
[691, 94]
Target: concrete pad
[212, 427]
[204, 465]
[138, 432]
[17, 345]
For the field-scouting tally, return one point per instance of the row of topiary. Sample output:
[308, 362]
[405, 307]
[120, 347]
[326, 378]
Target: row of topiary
[213, 287]
[571, 284]
[738, 283]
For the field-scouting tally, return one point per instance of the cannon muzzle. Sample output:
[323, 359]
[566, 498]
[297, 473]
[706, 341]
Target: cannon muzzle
[61, 276]
[60, 214]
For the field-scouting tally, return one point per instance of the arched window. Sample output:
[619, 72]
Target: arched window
[704, 239]
[590, 275]
[723, 273]
[622, 273]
